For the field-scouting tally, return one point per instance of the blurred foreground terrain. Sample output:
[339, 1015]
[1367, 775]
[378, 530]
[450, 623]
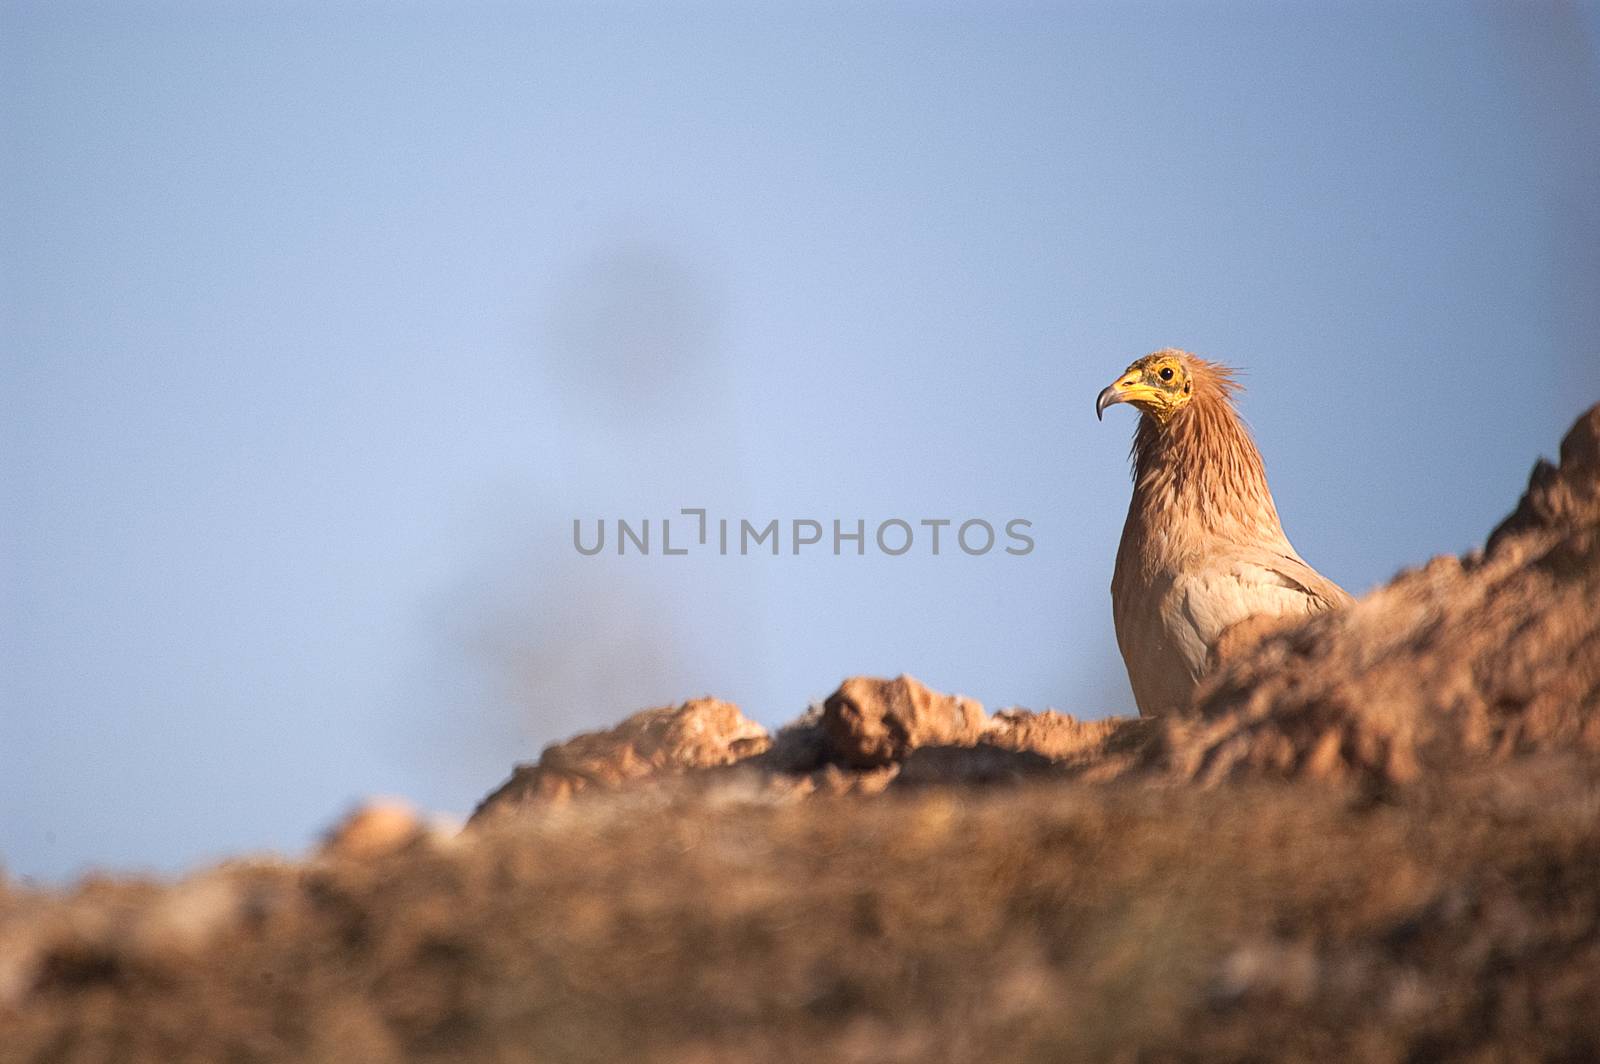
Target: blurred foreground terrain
[1375, 837]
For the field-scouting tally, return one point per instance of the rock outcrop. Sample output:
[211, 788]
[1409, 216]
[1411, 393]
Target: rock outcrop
[1489, 656]
[870, 722]
[867, 735]
[667, 741]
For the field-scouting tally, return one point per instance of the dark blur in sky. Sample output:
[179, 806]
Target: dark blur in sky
[321, 323]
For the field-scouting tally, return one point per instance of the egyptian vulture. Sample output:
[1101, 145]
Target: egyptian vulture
[1202, 549]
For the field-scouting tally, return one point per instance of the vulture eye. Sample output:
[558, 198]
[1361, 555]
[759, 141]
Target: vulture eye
[1166, 373]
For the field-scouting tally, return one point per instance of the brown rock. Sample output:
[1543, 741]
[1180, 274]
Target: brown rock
[799, 747]
[1484, 657]
[1058, 736]
[376, 827]
[869, 722]
[1559, 497]
[1239, 639]
[983, 765]
[1093, 750]
[703, 733]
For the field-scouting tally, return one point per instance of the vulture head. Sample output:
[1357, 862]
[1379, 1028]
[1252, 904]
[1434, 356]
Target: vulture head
[1160, 385]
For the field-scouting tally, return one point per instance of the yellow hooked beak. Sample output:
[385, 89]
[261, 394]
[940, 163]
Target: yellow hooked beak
[1130, 388]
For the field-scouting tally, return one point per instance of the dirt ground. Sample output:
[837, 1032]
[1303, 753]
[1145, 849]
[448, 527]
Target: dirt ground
[1375, 837]
[1044, 921]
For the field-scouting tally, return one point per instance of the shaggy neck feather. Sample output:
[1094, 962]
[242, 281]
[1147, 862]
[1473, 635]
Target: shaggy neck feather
[1201, 470]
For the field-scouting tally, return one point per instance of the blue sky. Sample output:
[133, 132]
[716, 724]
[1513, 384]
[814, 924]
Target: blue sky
[322, 323]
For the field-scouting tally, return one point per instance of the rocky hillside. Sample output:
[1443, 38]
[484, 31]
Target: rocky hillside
[1375, 837]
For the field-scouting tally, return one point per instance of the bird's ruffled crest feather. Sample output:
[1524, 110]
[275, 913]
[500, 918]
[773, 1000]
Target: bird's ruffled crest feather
[1212, 377]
